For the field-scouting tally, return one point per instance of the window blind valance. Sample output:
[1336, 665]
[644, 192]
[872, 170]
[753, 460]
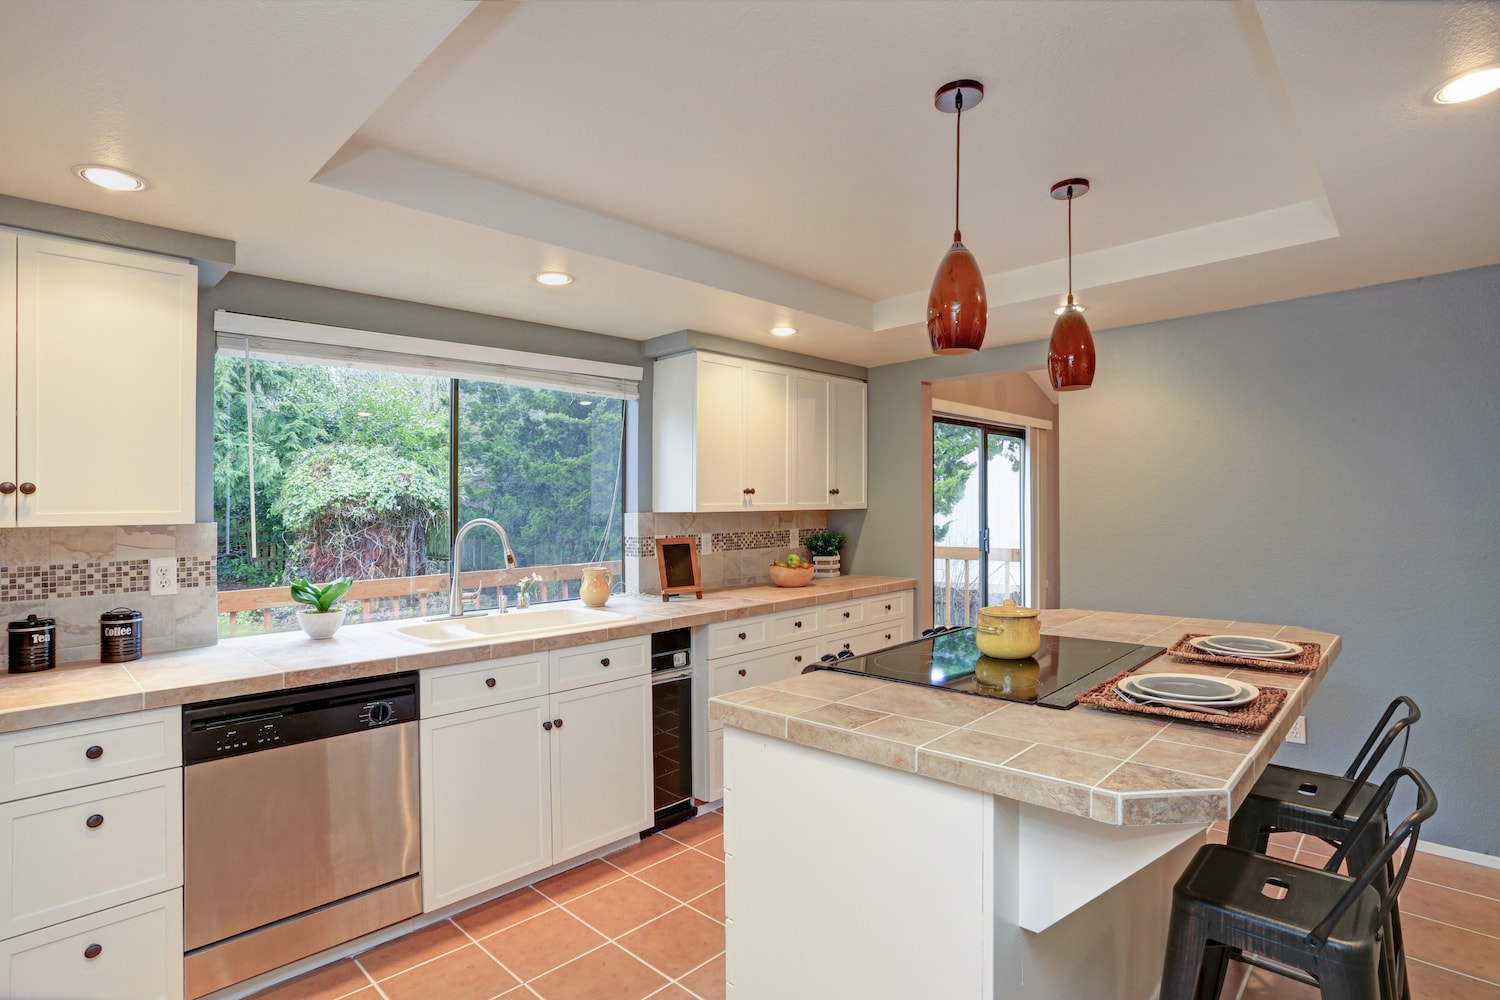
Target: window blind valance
[267, 338]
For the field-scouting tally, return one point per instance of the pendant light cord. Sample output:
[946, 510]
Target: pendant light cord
[958, 151]
[1070, 244]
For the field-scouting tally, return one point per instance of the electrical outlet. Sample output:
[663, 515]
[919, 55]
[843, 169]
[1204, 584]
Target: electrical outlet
[1298, 732]
[164, 575]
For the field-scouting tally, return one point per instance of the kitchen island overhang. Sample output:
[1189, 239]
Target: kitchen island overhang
[927, 842]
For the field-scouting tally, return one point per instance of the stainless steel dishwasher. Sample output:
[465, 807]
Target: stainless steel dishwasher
[301, 824]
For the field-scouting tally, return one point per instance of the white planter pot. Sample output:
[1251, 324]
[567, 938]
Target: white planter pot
[825, 566]
[321, 624]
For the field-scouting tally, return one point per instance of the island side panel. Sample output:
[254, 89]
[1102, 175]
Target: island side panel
[847, 879]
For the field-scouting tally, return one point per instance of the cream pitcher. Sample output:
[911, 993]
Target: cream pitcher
[597, 581]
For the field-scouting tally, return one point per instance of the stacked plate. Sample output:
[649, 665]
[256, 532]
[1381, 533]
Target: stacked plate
[1188, 690]
[1245, 645]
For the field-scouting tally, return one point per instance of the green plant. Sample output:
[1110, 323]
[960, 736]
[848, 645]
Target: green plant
[824, 543]
[322, 599]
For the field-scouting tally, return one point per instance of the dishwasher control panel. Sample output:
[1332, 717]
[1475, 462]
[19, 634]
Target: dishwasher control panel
[215, 730]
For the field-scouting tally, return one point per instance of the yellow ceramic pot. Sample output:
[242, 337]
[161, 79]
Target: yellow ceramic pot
[597, 581]
[1008, 632]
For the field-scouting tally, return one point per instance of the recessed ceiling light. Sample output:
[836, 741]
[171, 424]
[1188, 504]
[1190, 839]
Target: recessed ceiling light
[783, 331]
[1473, 84]
[555, 278]
[110, 178]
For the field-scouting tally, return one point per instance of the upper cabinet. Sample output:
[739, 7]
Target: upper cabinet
[97, 384]
[732, 434]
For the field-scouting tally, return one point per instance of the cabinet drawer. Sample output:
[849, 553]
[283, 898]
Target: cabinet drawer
[479, 685]
[742, 636]
[888, 607]
[793, 625]
[838, 617]
[602, 661]
[751, 671]
[866, 640]
[136, 949]
[38, 761]
[73, 852]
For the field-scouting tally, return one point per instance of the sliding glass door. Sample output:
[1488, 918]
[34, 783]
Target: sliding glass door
[980, 518]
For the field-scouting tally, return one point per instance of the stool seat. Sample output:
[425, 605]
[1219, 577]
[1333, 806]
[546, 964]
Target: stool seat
[1296, 801]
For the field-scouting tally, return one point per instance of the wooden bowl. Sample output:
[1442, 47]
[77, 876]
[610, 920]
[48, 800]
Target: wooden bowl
[791, 576]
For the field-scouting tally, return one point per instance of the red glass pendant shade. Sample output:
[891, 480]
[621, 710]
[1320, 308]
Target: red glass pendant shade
[1070, 355]
[956, 308]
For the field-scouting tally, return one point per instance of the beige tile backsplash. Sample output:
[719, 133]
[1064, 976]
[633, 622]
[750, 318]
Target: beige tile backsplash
[741, 545]
[76, 574]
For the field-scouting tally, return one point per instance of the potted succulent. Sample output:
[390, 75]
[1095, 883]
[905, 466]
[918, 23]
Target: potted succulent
[323, 619]
[792, 571]
[824, 546]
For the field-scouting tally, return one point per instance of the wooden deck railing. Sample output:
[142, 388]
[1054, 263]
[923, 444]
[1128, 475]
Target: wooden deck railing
[955, 579]
[250, 611]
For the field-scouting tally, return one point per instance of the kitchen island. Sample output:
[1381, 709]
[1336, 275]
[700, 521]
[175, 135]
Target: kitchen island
[885, 840]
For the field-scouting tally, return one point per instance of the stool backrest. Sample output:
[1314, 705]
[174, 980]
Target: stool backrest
[1405, 833]
[1365, 762]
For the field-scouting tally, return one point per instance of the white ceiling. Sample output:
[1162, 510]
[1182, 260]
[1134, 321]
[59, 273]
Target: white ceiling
[724, 165]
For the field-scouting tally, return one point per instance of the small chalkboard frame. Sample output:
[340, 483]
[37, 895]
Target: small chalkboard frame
[677, 565]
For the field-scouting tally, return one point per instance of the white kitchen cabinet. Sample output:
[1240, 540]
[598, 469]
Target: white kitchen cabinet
[128, 952]
[87, 327]
[721, 434]
[828, 442]
[522, 783]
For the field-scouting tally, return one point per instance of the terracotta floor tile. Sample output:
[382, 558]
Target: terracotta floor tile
[387, 959]
[708, 981]
[1456, 874]
[1263, 985]
[697, 829]
[1451, 947]
[672, 992]
[676, 943]
[504, 912]
[620, 906]
[577, 881]
[541, 944]
[467, 974]
[684, 875]
[647, 852]
[328, 983]
[710, 904]
[1430, 983]
[713, 847]
[603, 974]
[1452, 906]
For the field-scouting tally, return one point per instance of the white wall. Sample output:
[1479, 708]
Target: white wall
[1331, 462]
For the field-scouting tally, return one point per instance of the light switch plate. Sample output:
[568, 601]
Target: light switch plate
[164, 575]
[705, 543]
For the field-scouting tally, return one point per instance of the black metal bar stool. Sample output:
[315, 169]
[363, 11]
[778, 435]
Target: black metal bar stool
[1317, 926]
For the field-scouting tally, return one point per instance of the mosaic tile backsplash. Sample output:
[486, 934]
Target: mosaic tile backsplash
[76, 574]
[738, 550]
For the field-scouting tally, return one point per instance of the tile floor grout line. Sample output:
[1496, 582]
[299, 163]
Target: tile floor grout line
[427, 961]
[478, 943]
[1412, 877]
[1467, 975]
[1444, 923]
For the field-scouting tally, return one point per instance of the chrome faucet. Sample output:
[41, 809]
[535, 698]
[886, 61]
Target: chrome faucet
[455, 571]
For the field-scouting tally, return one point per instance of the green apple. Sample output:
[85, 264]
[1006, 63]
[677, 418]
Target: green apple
[793, 560]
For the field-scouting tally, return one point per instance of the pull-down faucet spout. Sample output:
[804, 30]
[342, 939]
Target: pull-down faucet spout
[455, 570]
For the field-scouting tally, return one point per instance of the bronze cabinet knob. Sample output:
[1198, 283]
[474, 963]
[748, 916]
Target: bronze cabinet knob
[547, 725]
[28, 488]
[93, 951]
[94, 822]
[557, 723]
[94, 752]
[604, 662]
[742, 671]
[489, 682]
[7, 488]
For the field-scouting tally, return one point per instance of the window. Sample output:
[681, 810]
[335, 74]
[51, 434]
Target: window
[980, 519]
[325, 470]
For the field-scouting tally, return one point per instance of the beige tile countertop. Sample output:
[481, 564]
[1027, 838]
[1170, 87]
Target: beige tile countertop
[1118, 769]
[252, 664]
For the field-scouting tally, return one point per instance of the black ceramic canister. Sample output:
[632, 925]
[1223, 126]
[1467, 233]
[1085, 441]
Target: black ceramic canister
[119, 636]
[32, 644]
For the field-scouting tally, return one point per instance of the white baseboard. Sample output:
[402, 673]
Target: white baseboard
[1459, 854]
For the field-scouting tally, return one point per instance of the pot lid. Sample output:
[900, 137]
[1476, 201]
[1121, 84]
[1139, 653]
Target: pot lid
[1008, 609]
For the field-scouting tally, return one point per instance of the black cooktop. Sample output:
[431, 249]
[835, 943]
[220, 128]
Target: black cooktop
[1061, 670]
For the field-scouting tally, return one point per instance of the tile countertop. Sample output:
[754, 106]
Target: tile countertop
[252, 664]
[1118, 769]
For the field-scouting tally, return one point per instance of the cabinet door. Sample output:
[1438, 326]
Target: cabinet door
[106, 374]
[847, 432]
[812, 465]
[601, 765]
[130, 952]
[8, 502]
[720, 444]
[486, 799]
[768, 442]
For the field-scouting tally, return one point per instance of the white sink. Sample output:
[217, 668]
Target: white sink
[485, 628]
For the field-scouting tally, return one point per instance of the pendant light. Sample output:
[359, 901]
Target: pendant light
[956, 309]
[1070, 355]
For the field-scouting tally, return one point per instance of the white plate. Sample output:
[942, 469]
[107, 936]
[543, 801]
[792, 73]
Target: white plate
[1245, 645]
[1191, 688]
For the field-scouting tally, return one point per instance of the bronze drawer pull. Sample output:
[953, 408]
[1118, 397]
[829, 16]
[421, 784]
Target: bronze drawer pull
[742, 671]
[489, 682]
[94, 752]
[604, 662]
[742, 635]
[94, 822]
[93, 951]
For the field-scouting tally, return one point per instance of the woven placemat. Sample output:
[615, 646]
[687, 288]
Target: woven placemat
[1303, 663]
[1251, 717]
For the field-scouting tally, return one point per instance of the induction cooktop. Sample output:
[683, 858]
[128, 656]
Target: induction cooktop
[1062, 669]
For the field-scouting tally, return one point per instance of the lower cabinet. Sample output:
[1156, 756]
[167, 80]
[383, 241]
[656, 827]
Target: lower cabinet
[128, 952]
[510, 789]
